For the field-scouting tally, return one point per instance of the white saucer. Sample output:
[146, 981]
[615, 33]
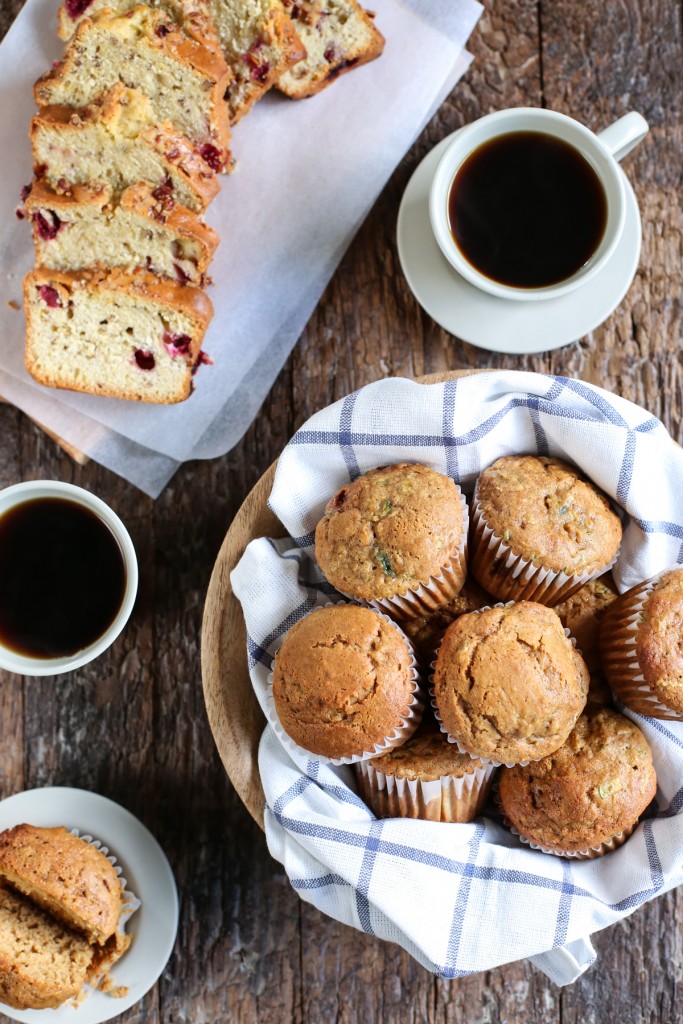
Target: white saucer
[502, 325]
[153, 927]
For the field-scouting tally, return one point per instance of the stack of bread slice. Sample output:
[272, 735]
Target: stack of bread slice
[133, 129]
[61, 905]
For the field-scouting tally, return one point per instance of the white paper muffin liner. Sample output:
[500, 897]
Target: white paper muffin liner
[403, 731]
[618, 636]
[517, 578]
[592, 853]
[435, 592]
[450, 798]
[129, 901]
[450, 737]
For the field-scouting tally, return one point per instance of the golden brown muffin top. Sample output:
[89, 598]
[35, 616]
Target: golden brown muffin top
[659, 640]
[390, 530]
[66, 875]
[342, 680]
[582, 613]
[549, 513]
[425, 633]
[508, 684]
[426, 756]
[592, 788]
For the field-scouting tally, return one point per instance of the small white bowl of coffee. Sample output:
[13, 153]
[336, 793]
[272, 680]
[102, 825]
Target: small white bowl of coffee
[68, 577]
[528, 203]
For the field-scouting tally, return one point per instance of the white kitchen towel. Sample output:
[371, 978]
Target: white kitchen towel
[461, 898]
[307, 175]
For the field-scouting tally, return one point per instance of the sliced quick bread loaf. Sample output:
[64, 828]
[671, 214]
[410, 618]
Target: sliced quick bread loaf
[192, 16]
[119, 334]
[65, 875]
[144, 50]
[259, 42]
[42, 963]
[116, 140]
[338, 35]
[146, 227]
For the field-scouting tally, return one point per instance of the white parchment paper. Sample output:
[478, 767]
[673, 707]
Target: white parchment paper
[307, 175]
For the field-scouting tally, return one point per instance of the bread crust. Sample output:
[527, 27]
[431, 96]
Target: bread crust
[125, 113]
[192, 16]
[157, 34]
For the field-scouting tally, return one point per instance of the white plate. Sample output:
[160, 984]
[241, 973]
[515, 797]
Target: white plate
[504, 325]
[153, 927]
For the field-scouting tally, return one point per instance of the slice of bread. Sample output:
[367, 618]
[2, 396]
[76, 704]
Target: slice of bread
[192, 16]
[144, 50]
[42, 963]
[259, 42]
[120, 334]
[116, 140]
[65, 875]
[146, 227]
[338, 35]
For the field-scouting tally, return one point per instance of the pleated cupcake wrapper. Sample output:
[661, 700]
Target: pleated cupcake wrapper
[592, 853]
[403, 731]
[450, 798]
[518, 579]
[435, 592]
[618, 653]
[130, 902]
[437, 715]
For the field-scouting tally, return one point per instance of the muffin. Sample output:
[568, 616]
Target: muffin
[640, 644]
[42, 962]
[508, 685]
[344, 684]
[585, 799]
[396, 537]
[65, 875]
[540, 530]
[582, 614]
[426, 631]
[426, 778]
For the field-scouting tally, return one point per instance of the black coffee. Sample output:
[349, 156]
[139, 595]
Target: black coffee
[62, 578]
[527, 210]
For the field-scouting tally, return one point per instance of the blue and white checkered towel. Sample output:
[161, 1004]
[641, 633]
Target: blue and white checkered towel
[461, 898]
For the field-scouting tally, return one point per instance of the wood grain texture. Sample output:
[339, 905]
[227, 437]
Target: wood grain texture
[133, 725]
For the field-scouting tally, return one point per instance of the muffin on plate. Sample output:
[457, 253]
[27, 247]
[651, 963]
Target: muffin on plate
[540, 530]
[64, 874]
[640, 644]
[425, 778]
[586, 798]
[396, 537]
[582, 614]
[508, 684]
[62, 916]
[345, 684]
[426, 632]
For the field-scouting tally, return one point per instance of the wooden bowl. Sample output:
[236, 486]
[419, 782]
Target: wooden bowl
[235, 717]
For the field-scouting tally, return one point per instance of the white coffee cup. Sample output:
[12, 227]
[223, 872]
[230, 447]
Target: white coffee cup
[31, 490]
[602, 152]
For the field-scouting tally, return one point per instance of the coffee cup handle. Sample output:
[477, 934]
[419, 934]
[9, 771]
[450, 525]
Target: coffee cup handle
[624, 135]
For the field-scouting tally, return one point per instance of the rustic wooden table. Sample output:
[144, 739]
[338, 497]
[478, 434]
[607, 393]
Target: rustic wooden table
[132, 725]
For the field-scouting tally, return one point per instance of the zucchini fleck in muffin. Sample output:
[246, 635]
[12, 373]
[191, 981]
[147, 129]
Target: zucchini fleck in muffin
[582, 614]
[540, 529]
[585, 799]
[345, 684]
[640, 644]
[396, 536]
[508, 685]
[425, 778]
[426, 632]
